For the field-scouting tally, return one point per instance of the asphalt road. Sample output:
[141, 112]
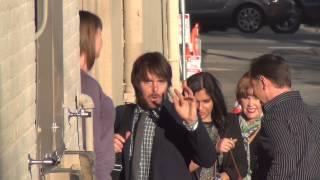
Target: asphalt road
[227, 55]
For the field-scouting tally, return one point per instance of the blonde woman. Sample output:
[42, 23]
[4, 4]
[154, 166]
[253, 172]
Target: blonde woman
[250, 122]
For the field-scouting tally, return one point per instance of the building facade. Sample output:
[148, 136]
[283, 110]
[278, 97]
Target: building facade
[40, 77]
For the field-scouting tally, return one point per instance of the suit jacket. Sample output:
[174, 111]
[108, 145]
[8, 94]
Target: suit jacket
[173, 146]
[289, 140]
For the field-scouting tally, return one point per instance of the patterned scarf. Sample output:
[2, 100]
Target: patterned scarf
[247, 130]
[149, 119]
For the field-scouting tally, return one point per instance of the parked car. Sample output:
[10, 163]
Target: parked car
[247, 15]
[305, 11]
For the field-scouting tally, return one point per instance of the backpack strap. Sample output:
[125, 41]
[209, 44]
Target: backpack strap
[124, 115]
[123, 123]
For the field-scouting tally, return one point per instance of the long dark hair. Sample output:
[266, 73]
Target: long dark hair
[205, 80]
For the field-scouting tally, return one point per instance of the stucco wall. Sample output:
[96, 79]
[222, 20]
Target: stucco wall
[71, 68]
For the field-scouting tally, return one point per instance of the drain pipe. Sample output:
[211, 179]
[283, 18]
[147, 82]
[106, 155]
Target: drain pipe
[182, 9]
[44, 20]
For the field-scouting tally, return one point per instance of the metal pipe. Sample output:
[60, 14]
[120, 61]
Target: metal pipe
[44, 20]
[182, 9]
[42, 162]
[86, 102]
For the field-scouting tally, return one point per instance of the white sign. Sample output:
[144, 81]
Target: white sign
[187, 28]
[193, 65]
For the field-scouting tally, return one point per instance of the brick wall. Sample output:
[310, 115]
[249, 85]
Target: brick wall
[17, 88]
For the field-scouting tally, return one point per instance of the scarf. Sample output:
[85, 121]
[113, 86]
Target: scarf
[248, 130]
[140, 150]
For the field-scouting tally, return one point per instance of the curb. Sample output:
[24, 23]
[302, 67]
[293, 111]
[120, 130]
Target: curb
[232, 54]
[310, 29]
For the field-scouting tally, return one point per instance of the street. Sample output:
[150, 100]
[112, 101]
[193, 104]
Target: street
[227, 55]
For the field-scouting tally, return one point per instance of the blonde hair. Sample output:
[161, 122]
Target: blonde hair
[244, 88]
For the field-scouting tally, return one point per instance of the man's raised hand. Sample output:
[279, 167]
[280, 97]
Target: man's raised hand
[185, 104]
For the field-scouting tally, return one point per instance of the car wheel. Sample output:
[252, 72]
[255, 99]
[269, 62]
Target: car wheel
[249, 19]
[290, 25]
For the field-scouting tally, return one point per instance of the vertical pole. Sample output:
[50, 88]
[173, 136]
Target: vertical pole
[182, 9]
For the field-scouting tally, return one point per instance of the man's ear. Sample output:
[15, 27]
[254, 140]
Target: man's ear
[265, 82]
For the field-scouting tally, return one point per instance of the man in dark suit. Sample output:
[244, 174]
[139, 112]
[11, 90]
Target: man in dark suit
[158, 139]
[289, 131]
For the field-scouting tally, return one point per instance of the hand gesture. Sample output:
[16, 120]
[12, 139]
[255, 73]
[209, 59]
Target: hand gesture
[118, 142]
[224, 176]
[185, 105]
[224, 145]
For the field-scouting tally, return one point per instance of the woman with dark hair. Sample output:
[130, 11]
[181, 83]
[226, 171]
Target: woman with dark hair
[103, 112]
[224, 132]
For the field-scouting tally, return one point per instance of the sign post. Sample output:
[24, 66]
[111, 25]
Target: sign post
[182, 9]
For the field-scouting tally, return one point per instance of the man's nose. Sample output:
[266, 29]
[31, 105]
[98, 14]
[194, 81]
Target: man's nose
[200, 105]
[155, 86]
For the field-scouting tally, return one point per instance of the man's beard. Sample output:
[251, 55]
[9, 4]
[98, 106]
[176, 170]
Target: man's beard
[144, 104]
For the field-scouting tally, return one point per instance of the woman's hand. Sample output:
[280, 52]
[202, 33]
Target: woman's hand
[224, 145]
[224, 176]
[193, 166]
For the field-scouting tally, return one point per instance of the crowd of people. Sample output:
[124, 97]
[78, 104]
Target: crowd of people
[189, 134]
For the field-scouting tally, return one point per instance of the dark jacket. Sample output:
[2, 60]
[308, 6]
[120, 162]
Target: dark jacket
[254, 156]
[289, 139]
[231, 129]
[173, 148]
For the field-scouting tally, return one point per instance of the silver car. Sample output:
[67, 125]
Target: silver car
[247, 15]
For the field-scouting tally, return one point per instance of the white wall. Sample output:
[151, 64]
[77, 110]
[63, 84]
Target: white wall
[18, 83]
[17, 88]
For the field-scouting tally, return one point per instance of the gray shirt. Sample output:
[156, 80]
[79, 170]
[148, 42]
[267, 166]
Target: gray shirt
[103, 126]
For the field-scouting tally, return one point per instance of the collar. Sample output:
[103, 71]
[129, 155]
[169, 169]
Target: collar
[290, 95]
[153, 113]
